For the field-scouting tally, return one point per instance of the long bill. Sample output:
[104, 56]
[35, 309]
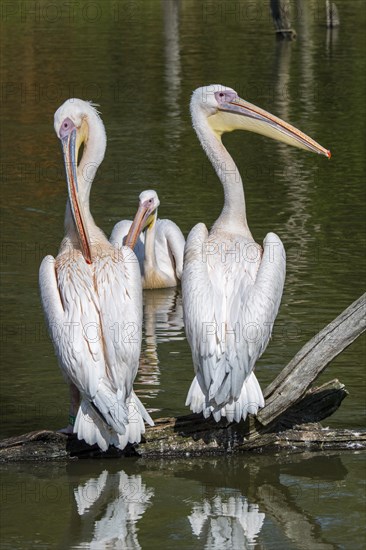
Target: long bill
[70, 156]
[141, 220]
[239, 114]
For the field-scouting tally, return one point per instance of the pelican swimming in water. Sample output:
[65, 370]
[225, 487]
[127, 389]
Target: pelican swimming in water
[92, 298]
[231, 286]
[159, 249]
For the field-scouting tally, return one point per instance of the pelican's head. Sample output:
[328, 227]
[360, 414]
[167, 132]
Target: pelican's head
[77, 122]
[145, 217]
[81, 119]
[72, 115]
[225, 111]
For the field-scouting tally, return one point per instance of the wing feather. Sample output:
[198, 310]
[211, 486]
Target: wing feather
[50, 297]
[94, 314]
[198, 303]
[264, 300]
[229, 311]
[176, 242]
[118, 283]
[71, 311]
[80, 348]
[118, 236]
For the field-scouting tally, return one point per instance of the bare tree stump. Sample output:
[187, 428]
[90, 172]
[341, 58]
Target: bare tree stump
[280, 11]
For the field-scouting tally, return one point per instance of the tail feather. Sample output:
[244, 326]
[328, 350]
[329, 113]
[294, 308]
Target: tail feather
[137, 414]
[113, 425]
[248, 402]
[139, 408]
[112, 406]
[196, 398]
[90, 426]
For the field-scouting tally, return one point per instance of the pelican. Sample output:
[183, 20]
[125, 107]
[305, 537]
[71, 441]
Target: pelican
[92, 298]
[231, 286]
[160, 250]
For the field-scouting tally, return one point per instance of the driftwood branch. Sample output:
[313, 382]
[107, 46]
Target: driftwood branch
[294, 380]
[185, 437]
[289, 420]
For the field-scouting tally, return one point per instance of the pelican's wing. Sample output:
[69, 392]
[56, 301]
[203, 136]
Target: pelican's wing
[176, 243]
[198, 304]
[118, 283]
[252, 303]
[263, 301]
[71, 309]
[50, 297]
[119, 234]
[229, 313]
[98, 338]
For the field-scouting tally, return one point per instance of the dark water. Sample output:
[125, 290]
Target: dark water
[140, 60]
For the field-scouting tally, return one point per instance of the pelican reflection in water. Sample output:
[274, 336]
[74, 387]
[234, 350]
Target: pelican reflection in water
[118, 501]
[226, 523]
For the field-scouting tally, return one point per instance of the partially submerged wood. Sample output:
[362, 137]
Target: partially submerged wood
[331, 15]
[294, 380]
[280, 11]
[289, 421]
[184, 437]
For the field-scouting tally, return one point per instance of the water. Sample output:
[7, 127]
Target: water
[233, 503]
[140, 61]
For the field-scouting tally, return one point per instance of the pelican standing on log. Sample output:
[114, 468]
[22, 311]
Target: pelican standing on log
[159, 249]
[92, 298]
[231, 286]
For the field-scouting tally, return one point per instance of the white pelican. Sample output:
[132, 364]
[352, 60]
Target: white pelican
[159, 250]
[231, 287]
[92, 298]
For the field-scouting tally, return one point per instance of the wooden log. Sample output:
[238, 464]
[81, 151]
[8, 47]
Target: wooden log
[178, 438]
[294, 380]
[289, 420]
[192, 435]
[317, 404]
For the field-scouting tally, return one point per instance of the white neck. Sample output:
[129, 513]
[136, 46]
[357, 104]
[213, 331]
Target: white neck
[150, 256]
[93, 154]
[233, 216]
[154, 277]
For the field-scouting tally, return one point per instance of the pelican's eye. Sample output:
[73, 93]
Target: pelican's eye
[225, 97]
[66, 127]
[149, 202]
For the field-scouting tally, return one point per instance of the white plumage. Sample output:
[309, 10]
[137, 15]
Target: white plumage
[92, 298]
[158, 244]
[231, 286]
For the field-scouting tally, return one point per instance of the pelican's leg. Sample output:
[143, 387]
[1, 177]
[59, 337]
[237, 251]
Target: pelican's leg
[74, 406]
